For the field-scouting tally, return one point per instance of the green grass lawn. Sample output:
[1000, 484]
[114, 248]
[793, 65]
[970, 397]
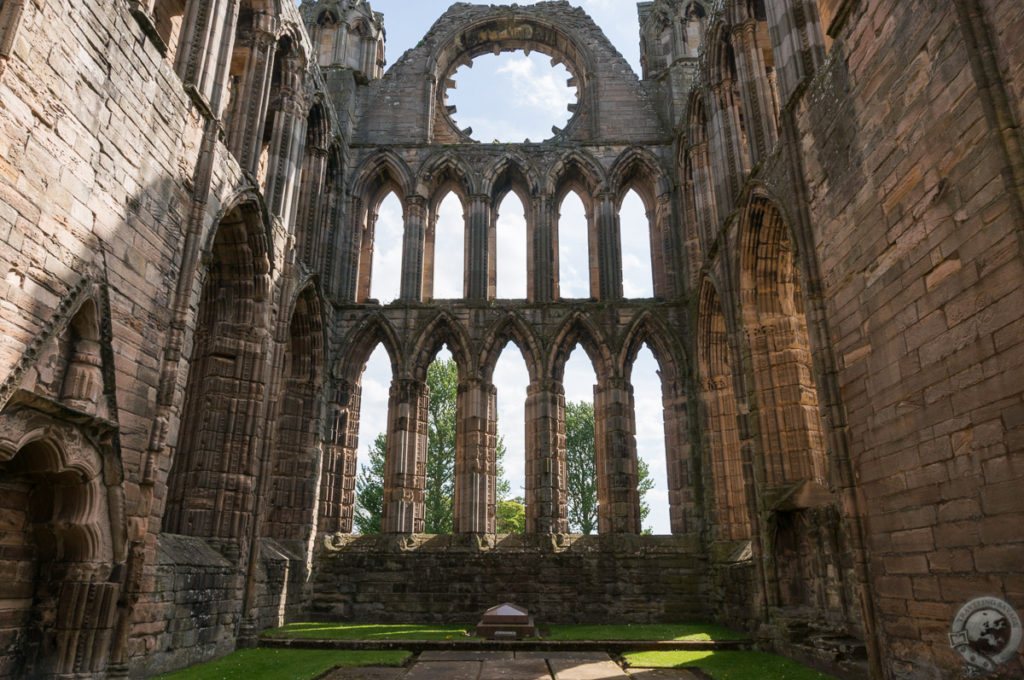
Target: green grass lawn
[352, 631]
[284, 664]
[666, 631]
[348, 631]
[728, 665]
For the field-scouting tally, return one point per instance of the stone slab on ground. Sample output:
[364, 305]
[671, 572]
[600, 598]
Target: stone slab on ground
[519, 669]
[567, 656]
[445, 670]
[366, 673]
[468, 655]
[586, 669]
[662, 674]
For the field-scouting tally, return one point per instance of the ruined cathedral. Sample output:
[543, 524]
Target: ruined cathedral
[189, 190]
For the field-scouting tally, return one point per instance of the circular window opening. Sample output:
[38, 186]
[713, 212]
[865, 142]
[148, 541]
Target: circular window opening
[512, 97]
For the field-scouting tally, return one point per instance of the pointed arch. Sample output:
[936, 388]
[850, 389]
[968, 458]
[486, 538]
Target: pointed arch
[510, 328]
[769, 275]
[579, 330]
[638, 169]
[576, 171]
[511, 173]
[246, 222]
[443, 329]
[649, 329]
[318, 124]
[442, 173]
[308, 332]
[381, 172]
[731, 519]
[360, 343]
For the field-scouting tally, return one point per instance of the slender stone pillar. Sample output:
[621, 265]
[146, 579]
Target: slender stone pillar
[664, 252]
[618, 503]
[758, 100]
[405, 465]
[202, 61]
[542, 251]
[287, 144]
[546, 474]
[313, 200]
[413, 248]
[250, 96]
[365, 244]
[337, 488]
[476, 480]
[478, 221]
[609, 252]
[429, 238]
[678, 457]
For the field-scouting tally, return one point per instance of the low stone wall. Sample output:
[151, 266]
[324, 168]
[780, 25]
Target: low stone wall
[200, 594]
[560, 579]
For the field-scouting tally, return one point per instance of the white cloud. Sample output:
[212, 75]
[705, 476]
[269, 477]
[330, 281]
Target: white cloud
[511, 248]
[386, 278]
[449, 249]
[573, 249]
[511, 97]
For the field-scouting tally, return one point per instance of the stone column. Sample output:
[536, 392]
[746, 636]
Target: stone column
[703, 193]
[312, 201]
[429, 238]
[337, 488]
[678, 454]
[542, 251]
[83, 379]
[730, 166]
[287, 142]
[663, 248]
[478, 220]
[364, 244]
[758, 102]
[412, 249]
[492, 253]
[250, 96]
[546, 474]
[618, 503]
[202, 61]
[476, 479]
[405, 465]
[609, 253]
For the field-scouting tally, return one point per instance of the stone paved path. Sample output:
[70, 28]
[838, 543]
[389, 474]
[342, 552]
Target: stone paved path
[510, 666]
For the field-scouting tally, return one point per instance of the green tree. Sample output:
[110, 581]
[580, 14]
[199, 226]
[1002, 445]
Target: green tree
[443, 381]
[370, 489]
[582, 467]
[511, 516]
[582, 471]
[644, 484]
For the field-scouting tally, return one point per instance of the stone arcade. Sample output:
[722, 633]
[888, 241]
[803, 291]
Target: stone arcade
[188, 196]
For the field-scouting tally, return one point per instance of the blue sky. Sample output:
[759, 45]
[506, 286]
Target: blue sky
[510, 98]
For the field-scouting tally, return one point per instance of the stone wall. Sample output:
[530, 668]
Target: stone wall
[197, 595]
[559, 578]
[920, 245]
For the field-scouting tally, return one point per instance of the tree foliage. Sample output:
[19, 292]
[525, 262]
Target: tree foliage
[582, 471]
[370, 489]
[511, 516]
[442, 380]
[582, 467]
